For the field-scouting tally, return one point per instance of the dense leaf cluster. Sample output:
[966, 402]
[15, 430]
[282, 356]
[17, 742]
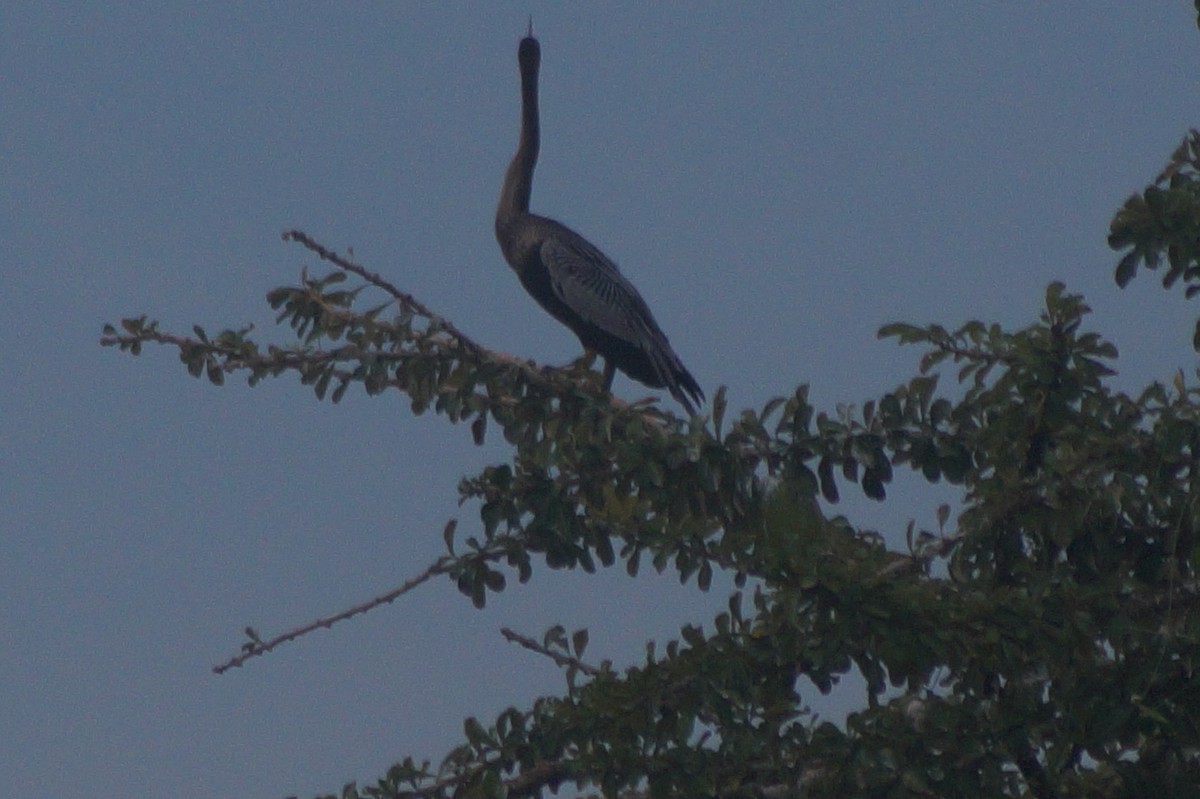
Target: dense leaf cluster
[1163, 222]
[1044, 645]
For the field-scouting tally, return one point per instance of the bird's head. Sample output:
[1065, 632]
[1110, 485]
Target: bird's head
[529, 54]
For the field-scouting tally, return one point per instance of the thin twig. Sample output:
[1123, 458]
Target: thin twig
[379, 281]
[256, 647]
[558, 657]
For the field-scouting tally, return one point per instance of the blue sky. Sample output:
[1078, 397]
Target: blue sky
[778, 182]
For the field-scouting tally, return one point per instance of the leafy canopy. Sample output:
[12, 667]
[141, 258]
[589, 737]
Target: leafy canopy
[1043, 644]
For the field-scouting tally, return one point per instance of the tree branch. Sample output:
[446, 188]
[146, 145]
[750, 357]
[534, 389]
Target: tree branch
[566, 661]
[256, 646]
[440, 341]
[375, 279]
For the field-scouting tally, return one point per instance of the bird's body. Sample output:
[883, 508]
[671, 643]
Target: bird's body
[576, 283]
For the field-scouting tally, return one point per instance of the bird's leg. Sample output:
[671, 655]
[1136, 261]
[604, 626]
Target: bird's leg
[583, 362]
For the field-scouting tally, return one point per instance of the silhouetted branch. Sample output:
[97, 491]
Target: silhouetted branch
[566, 661]
[375, 279]
[918, 562]
[256, 646]
[366, 345]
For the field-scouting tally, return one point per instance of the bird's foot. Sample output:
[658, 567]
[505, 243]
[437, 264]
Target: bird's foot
[582, 369]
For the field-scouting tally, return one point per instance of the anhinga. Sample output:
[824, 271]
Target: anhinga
[569, 277]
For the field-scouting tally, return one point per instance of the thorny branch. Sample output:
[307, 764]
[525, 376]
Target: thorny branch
[256, 646]
[446, 564]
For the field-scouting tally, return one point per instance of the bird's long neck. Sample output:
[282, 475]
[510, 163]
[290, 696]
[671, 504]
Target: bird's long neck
[518, 181]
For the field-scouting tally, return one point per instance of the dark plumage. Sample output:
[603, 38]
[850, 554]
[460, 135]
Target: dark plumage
[569, 277]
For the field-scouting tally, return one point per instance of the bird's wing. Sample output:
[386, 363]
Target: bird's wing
[588, 283]
[591, 286]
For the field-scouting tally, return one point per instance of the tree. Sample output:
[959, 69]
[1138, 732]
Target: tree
[1045, 644]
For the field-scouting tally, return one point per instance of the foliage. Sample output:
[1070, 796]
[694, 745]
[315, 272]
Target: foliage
[1165, 219]
[1044, 644]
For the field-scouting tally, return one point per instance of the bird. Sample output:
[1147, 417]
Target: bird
[571, 278]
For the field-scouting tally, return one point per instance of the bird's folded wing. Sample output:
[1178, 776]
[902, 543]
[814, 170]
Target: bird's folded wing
[590, 285]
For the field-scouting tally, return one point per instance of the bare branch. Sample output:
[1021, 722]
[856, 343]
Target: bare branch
[256, 647]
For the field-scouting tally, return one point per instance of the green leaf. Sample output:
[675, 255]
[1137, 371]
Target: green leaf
[633, 562]
[903, 331]
[322, 384]
[195, 362]
[872, 485]
[476, 735]
[1054, 293]
[216, 375]
[579, 642]
[825, 475]
[494, 580]
[134, 325]
[718, 410]
[276, 298]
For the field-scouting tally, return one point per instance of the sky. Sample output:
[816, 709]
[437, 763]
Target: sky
[778, 180]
